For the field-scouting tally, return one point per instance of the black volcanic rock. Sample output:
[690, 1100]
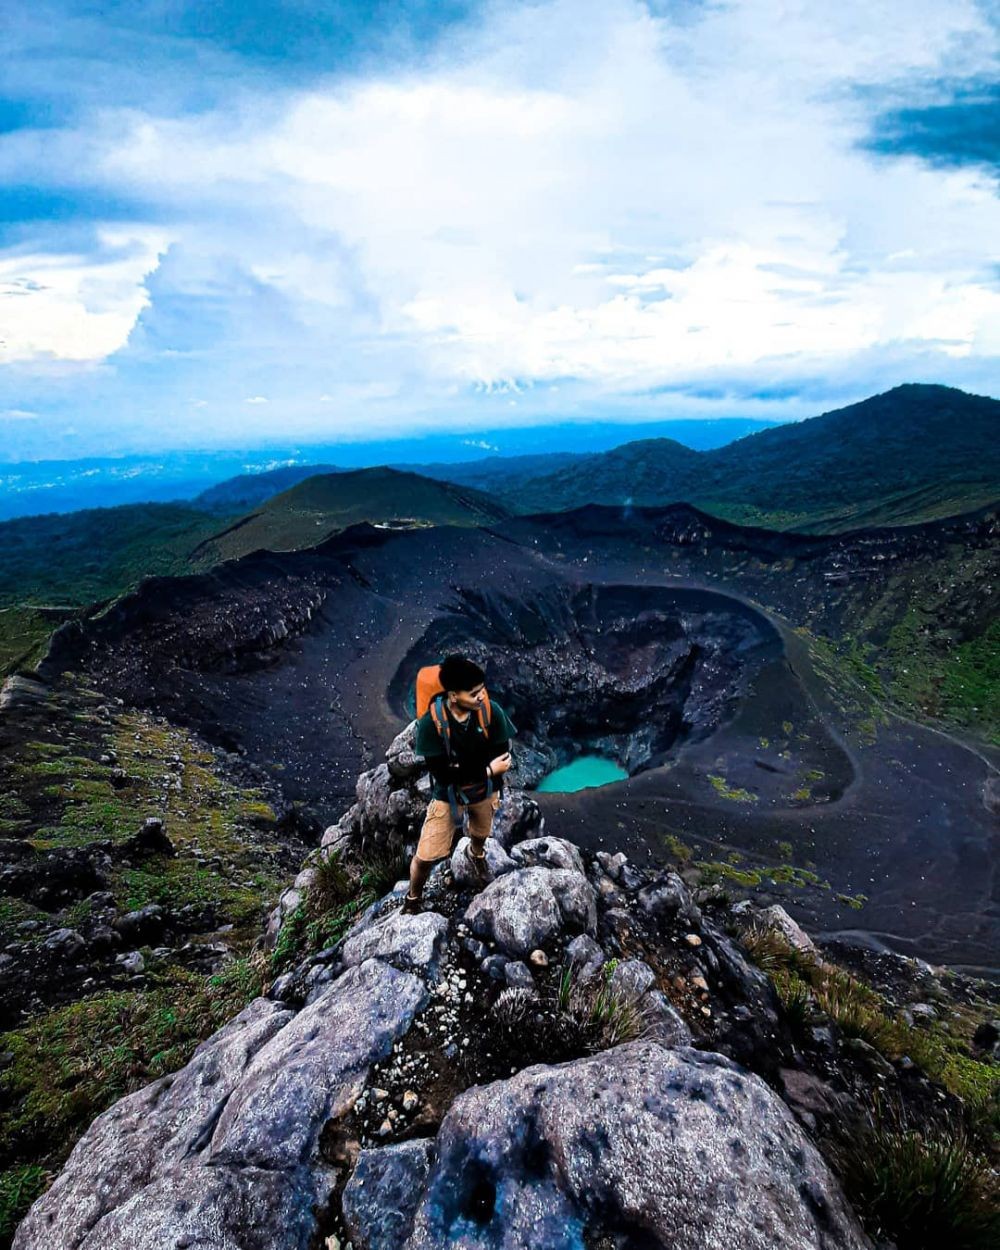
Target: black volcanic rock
[53, 879]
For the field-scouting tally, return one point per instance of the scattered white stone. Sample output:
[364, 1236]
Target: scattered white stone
[692, 939]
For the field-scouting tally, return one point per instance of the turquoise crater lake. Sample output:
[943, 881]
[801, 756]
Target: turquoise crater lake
[584, 772]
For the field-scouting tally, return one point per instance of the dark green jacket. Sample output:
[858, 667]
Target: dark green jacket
[471, 749]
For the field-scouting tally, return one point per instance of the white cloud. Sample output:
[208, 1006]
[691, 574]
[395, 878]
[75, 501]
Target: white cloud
[75, 307]
[575, 192]
[17, 414]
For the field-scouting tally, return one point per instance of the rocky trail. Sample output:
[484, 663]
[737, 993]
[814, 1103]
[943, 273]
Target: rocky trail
[582, 1053]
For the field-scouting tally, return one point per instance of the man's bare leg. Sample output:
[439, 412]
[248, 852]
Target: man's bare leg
[420, 870]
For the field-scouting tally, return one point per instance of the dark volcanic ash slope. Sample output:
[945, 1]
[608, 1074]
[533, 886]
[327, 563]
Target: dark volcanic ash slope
[633, 635]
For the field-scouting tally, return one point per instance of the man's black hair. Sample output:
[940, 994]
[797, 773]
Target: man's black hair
[458, 673]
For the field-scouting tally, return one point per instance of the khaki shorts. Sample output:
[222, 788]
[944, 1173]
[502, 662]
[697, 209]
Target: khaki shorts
[438, 831]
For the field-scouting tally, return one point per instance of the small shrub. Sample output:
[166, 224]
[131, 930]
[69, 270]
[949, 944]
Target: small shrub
[602, 1016]
[19, 1187]
[382, 868]
[331, 886]
[855, 1009]
[570, 1019]
[767, 948]
[924, 1190]
[797, 1000]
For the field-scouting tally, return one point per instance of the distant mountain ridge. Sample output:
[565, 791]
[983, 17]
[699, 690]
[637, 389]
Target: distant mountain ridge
[909, 454]
[914, 453]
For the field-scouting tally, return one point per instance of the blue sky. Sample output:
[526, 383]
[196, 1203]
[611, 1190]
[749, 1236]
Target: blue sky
[225, 223]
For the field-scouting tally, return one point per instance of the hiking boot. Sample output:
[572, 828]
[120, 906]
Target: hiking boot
[411, 906]
[479, 866]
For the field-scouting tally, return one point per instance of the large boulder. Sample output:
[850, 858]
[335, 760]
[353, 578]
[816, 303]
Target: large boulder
[408, 942]
[463, 870]
[518, 817]
[678, 1149]
[307, 1074]
[547, 853]
[224, 1155]
[522, 910]
[402, 759]
[776, 918]
[153, 1129]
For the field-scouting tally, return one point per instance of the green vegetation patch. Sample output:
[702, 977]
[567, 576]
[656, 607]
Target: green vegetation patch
[941, 1048]
[945, 679]
[732, 793]
[924, 1190]
[333, 902]
[217, 828]
[713, 871]
[74, 1062]
[19, 1187]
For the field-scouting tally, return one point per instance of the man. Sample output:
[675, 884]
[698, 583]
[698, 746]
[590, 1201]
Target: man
[476, 760]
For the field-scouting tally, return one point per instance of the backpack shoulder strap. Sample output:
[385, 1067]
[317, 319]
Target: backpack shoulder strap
[440, 718]
[485, 712]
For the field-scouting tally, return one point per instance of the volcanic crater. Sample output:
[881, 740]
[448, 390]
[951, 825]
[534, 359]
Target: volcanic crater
[625, 672]
[749, 748]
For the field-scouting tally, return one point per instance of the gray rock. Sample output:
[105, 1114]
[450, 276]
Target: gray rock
[631, 878]
[547, 853]
[382, 1195]
[407, 942]
[217, 1208]
[66, 943]
[563, 1156]
[282, 987]
[666, 897]
[133, 962]
[518, 911]
[632, 978]
[775, 917]
[664, 1022]
[494, 966]
[612, 864]
[304, 1075]
[223, 1155]
[144, 926]
[497, 861]
[518, 975]
[877, 1062]
[585, 953]
[401, 759]
[575, 896]
[743, 980]
[19, 691]
[518, 817]
[147, 1133]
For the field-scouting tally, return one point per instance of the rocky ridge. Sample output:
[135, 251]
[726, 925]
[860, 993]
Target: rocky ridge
[580, 1054]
